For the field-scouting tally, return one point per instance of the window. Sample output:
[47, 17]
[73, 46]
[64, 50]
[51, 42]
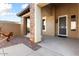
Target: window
[43, 24]
[73, 23]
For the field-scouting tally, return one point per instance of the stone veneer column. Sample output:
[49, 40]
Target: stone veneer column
[35, 23]
[78, 23]
[32, 22]
[23, 26]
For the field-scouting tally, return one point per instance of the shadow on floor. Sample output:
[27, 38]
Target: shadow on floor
[19, 40]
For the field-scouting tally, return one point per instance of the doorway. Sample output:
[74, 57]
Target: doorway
[62, 26]
[27, 28]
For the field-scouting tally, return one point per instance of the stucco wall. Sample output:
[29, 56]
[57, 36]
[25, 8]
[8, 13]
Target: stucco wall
[38, 23]
[60, 10]
[68, 9]
[46, 11]
[50, 26]
[49, 13]
[10, 27]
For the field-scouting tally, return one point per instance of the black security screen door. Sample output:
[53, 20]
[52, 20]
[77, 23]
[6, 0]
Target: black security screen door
[62, 26]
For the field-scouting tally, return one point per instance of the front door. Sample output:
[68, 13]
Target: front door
[62, 26]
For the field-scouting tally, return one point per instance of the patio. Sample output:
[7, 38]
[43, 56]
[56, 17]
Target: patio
[50, 46]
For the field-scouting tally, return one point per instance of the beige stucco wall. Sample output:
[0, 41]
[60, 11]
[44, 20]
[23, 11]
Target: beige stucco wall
[38, 23]
[49, 13]
[68, 9]
[50, 26]
[60, 10]
[10, 27]
[46, 11]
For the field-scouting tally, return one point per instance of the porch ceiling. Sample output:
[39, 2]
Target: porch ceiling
[52, 4]
[26, 15]
[43, 4]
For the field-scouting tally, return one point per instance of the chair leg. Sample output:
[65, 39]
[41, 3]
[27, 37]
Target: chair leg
[8, 39]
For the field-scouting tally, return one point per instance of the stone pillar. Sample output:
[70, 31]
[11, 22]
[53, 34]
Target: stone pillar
[78, 23]
[23, 26]
[32, 22]
[35, 23]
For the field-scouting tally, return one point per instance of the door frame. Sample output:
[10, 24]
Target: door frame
[66, 25]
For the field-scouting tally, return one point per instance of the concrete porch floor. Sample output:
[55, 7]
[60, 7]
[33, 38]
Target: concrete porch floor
[63, 46]
[17, 47]
[51, 46]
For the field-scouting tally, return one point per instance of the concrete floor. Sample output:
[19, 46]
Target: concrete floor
[63, 46]
[51, 46]
[17, 47]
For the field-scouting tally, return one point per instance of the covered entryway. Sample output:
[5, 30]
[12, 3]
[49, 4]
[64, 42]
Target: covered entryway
[60, 20]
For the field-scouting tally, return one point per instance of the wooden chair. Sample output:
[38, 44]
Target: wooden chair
[7, 36]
